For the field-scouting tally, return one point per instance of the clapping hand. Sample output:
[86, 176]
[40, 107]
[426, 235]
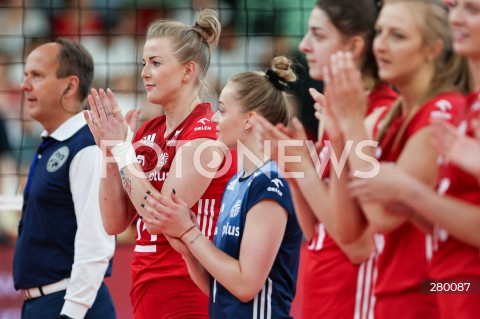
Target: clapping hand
[105, 118]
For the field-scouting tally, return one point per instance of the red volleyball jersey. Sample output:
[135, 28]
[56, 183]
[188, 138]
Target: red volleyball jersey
[334, 287]
[402, 261]
[381, 97]
[453, 258]
[345, 289]
[154, 258]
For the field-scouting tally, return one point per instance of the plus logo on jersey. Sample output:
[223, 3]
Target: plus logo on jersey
[278, 183]
[230, 230]
[156, 176]
[204, 126]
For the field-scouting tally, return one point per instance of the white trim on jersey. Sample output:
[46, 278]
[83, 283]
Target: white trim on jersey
[206, 208]
[358, 295]
[366, 278]
[373, 299]
[429, 247]
[146, 248]
[269, 298]
[139, 233]
[210, 220]
[364, 297]
[317, 241]
[264, 302]
[255, 307]
[367, 287]
[214, 290]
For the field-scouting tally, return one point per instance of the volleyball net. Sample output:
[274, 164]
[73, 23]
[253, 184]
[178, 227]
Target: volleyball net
[114, 33]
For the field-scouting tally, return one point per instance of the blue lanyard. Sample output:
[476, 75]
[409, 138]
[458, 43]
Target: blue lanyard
[47, 141]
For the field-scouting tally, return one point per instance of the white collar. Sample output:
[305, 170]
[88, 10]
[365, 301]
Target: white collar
[68, 128]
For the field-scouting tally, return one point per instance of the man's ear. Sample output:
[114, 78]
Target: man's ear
[72, 86]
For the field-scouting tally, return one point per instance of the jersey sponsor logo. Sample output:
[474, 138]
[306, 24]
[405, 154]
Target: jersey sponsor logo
[203, 121]
[158, 176]
[231, 185]
[205, 126]
[202, 128]
[236, 208]
[146, 143]
[277, 182]
[276, 189]
[174, 139]
[443, 113]
[230, 230]
[148, 140]
[444, 105]
[57, 159]
[162, 159]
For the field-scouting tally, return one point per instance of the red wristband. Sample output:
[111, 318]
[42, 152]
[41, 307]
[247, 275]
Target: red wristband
[185, 232]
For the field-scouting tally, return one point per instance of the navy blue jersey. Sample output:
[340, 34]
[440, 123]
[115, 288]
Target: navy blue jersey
[276, 296]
